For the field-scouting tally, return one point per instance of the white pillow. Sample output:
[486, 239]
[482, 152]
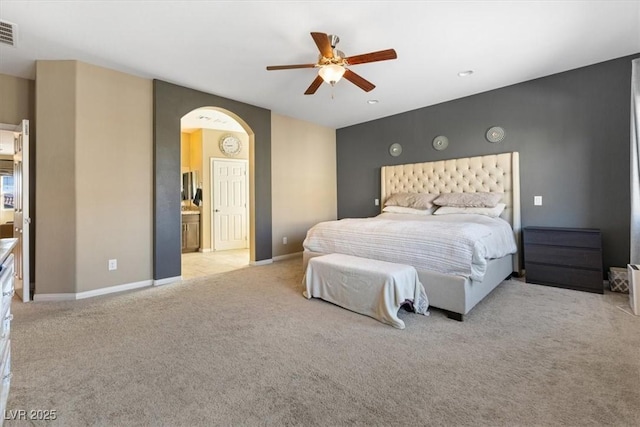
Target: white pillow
[492, 212]
[405, 210]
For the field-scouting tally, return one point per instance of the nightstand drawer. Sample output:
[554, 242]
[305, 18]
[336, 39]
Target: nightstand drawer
[580, 238]
[564, 256]
[564, 277]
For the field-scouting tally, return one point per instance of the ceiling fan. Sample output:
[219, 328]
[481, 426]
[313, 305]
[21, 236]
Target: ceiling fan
[332, 63]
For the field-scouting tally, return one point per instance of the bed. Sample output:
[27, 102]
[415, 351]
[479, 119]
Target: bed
[470, 258]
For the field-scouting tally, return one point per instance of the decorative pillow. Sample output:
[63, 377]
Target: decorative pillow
[405, 210]
[469, 200]
[423, 200]
[411, 200]
[399, 199]
[492, 212]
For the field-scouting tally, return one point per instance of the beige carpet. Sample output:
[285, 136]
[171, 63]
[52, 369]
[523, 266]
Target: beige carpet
[245, 348]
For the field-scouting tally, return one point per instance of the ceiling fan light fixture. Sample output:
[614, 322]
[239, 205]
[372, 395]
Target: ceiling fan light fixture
[331, 73]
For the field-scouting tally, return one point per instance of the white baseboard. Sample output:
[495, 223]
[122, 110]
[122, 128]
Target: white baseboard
[287, 256]
[94, 293]
[262, 262]
[167, 281]
[205, 250]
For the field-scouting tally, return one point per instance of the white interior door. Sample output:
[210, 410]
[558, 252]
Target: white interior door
[229, 216]
[21, 218]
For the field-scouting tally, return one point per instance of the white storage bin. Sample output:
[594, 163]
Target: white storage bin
[634, 288]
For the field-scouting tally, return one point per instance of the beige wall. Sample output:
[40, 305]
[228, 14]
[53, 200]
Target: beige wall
[16, 99]
[185, 152]
[303, 180]
[114, 176]
[55, 171]
[94, 170]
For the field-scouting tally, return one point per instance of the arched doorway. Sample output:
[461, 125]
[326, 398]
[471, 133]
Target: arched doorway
[171, 103]
[215, 207]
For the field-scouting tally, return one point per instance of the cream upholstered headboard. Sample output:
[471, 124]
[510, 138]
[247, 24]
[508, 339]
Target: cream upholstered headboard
[494, 172]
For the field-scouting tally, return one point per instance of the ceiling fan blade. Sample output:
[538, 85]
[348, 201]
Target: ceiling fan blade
[289, 67]
[381, 55]
[322, 41]
[354, 78]
[314, 86]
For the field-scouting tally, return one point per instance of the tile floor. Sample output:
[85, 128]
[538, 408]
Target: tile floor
[200, 264]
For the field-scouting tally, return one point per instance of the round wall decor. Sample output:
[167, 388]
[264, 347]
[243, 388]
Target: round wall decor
[440, 142]
[230, 145]
[395, 149]
[495, 134]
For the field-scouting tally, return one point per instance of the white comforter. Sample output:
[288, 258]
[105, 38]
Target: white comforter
[458, 244]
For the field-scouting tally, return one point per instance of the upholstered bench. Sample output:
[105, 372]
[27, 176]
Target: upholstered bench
[374, 288]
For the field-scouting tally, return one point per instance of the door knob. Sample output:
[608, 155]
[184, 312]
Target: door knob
[216, 210]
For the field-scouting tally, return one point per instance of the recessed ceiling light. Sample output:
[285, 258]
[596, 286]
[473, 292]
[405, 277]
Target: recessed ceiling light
[372, 101]
[465, 73]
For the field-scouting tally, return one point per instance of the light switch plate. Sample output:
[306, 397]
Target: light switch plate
[537, 200]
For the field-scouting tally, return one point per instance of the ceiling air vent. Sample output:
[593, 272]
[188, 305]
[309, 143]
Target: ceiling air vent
[8, 33]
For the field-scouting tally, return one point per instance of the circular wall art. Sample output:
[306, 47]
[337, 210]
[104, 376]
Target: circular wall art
[230, 145]
[495, 134]
[395, 149]
[440, 142]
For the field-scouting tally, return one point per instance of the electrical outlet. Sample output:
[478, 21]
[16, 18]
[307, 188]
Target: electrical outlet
[113, 264]
[284, 240]
[537, 200]
[377, 202]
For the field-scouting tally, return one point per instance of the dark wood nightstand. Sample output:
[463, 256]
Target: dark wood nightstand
[564, 257]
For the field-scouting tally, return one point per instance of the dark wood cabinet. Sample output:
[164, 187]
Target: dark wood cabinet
[190, 232]
[564, 257]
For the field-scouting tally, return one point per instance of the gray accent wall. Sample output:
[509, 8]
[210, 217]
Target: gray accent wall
[571, 130]
[170, 103]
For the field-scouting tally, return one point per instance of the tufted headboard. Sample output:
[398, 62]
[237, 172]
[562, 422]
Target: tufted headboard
[495, 172]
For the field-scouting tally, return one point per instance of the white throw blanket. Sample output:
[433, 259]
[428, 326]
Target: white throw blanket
[374, 288]
[450, 244]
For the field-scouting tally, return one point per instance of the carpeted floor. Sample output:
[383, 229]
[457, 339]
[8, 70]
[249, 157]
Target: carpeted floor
[245, 348]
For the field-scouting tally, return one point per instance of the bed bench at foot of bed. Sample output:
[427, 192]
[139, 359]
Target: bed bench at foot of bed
[454, 295]
[374, 288]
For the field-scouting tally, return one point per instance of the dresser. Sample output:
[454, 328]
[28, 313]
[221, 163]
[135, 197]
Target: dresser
[6, 284]
[564, 257]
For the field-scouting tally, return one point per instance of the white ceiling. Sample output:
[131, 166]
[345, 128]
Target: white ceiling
[223, 47]
[209, 118]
